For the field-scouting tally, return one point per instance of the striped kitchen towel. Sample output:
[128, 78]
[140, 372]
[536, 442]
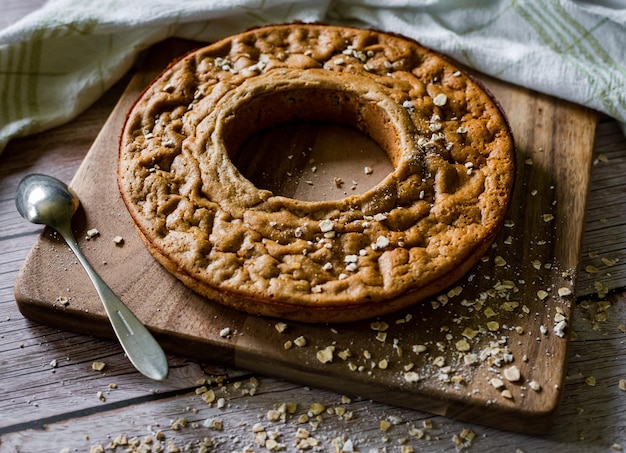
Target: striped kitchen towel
[58, 60]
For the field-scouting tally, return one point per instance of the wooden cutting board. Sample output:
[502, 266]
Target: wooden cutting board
[440, 356]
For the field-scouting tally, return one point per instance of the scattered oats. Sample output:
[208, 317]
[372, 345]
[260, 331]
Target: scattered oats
[300, 342]
[280, 327]
[54, 363]
[601, 289]
[464, 439]
[417, 348]
[622, 384]
[470, 359]
[602, 158]
[345, 354]
[497, 383]
[101, 396]
[564, 291]
[368, 170]
[439, 361]
[379, 326]
[590, 381]
[119, 240]
[383, 364]
[209, 396]
[536, 386]
[616, 447]
[462, 345]
[507, 394]
[326, 355]
[591, 269]
[469, 333]
[489, 313]
[493, 326]
[541, 294]
[225, 332]
[273, 415]
[92, 233]
[384, 425]
[547, 217]
[609, 262]
[543, 329]
[468, 434]
[411, 376]
[316, 409]
[98, 366]
[559, 328]
[499, 261]
[64, 301]
[512, 374]
[440, 100]
[457, 379]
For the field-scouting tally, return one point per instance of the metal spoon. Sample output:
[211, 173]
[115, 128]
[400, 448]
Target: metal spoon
[45, 200]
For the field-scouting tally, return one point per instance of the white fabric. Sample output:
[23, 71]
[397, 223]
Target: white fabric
[58, 60]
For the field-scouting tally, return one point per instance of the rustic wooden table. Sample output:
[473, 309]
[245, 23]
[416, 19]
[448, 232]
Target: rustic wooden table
[52, 399]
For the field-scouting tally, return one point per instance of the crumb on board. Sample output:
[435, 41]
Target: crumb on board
[92, 233]
[98, 366]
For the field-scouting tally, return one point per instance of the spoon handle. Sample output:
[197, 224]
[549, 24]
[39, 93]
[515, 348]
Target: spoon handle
[140, 347]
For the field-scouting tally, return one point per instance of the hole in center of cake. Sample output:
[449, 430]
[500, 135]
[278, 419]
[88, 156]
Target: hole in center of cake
[311, 145]
[312, 161]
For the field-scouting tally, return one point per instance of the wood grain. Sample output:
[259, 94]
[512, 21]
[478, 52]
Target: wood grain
[540, 248]
[603, 262]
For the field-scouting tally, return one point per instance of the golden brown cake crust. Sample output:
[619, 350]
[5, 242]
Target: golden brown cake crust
[410, 236]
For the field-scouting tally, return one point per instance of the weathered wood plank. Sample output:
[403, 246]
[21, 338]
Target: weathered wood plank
[604, 244]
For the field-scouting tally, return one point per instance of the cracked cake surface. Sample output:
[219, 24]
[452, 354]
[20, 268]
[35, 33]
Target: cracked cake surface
[413, 234]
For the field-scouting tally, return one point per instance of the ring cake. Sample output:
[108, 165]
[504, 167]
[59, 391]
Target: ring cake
[410, 236]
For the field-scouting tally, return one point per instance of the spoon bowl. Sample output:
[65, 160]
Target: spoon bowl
[45, 200]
